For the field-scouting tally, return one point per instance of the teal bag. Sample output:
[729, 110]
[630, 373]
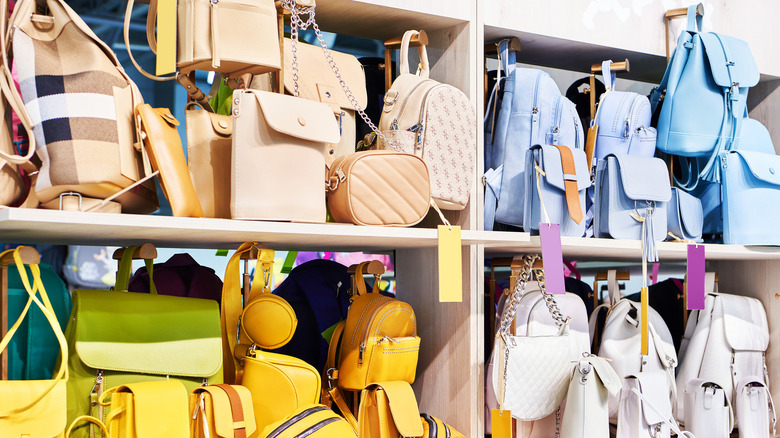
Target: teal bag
[35, 360]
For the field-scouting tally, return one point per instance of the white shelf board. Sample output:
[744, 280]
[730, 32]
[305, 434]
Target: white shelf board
[77, 228]
[505, 243]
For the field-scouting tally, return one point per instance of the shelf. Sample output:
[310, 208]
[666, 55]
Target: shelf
[505, 243]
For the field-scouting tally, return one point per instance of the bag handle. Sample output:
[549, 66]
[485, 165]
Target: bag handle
[48, 311]
[694, 19]
[363, 268]
[126, 268]
[423, 70]
[609, 76]
[88, 419]
[507, 57]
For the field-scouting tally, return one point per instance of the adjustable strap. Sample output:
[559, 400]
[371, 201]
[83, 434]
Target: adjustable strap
[337, 397]
[236, 409]
[570, 183]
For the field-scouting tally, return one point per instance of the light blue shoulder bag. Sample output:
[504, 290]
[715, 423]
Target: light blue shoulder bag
[684, 216]
[533, 111]
[549, 179]
[751, 198]
[704, 92]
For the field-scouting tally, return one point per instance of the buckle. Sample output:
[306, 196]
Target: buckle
[329, 375]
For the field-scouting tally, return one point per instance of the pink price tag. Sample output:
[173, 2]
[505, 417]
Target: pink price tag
[552, 257]
[695, 276]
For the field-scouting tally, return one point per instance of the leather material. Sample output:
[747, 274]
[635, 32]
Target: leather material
[435, 428]
[751, 400]
[269, 321]
[684, 216]
[750, 179]
[389, 410]
[587, 412]
[163, 144]
[625, 184]
[564, 185]
[34, 408]
[315, 421]
[640, 416]
[147, 410]
[623, 121]
[554, 121]
[380, 341]
[209, 150]
[213, 412]
[101, 159]
[274, 128]
[708, 411]
[279, 384]
[379, 188]
[436, 122]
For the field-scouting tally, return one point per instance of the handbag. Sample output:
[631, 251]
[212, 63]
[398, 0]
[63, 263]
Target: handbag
[118, 338]
[532, 372]
[557, 178]
[379, 188]
[85, 132]
[704, 89]
[209, 150]
[147, 410]
[281, 133]
[752, 398]
[316, 421]
[751, 190]
[389, 410]
[34, 408]
[707, 410]
[684, 216]
[631, 196]
[163, 144]
[435, 121]
[645, 409]
[587, 412]
[221, 411]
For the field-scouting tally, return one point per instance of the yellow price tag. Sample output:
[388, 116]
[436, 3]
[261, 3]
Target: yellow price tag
[450, 265]
[643, 321]
[501, 421]
[166, 37]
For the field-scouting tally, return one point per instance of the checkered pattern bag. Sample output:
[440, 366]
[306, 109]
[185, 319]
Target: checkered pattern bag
[79, 109]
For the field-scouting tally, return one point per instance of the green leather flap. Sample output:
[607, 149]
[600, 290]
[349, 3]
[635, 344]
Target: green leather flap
[150, 334]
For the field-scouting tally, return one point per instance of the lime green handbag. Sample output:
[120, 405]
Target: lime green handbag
[116, 338]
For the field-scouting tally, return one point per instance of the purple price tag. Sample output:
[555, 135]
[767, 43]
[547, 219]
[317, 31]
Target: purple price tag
[695, 275]
[552, 257]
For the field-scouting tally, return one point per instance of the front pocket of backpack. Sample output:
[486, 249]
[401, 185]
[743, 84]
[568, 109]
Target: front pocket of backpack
[393, 359]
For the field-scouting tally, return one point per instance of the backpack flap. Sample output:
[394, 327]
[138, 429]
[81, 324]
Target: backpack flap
[148, 334]
[691, 216]
[160, 409]
[730, 61]
[656, 407]
[745, 323]
[222, 410]
[403, 407]
[553, 169]
[301, 118]
[609, 378]
[764, 167]
[643, 178]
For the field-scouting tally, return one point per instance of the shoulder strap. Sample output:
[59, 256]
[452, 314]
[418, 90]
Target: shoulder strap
[236, 409]
[331, 375]
[570, 183]
[646, 403]
[151, 17]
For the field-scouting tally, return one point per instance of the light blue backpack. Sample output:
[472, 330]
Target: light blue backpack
[703, 95]
[532, 111]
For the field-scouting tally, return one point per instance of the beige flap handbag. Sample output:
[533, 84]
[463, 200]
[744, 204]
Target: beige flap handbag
[209, 147]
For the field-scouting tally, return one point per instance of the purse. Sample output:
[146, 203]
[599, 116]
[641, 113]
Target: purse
[708, 410]
[645, 409]
[684, 216]
[34, 408]
[221, 411]
[751, 190]
[163, 144]
[118, 338]
[147, 410]
[316, 421]
[532, 372]
[85, 132]
[389, 410]
[379, 188]
[631, 195]
[209, 150]
[287, 136]
[587, 412]
[557, 178]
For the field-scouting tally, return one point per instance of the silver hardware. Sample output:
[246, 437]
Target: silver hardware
[78, 195]
[730, 64]
[235, 101]
[558, 423]
[327, 94]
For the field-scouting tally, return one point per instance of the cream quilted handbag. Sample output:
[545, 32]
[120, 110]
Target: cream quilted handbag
[532, 372]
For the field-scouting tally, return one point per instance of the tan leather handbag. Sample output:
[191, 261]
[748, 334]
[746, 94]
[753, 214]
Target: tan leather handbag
[379, 188]
[278, 160]
[209, 148]
[163, 144]
[221, 411]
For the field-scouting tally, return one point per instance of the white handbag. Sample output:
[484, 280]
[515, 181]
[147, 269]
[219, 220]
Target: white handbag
[708, 410]
[531, 372]
[752, 398]
[645, 408]
[587, 411]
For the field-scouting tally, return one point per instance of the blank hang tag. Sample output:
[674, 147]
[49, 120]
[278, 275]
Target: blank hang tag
[695, 275]
[450, 265]
[552, 257]
[501, 422]
[166, 37]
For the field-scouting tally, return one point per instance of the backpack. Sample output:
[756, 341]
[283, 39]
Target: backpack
[532, 112]
[434, 121]
[317, 291]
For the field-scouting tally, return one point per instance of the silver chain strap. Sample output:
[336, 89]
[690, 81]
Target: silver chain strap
[296, 24]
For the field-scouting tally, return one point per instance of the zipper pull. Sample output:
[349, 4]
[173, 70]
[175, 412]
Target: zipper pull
[98, 382]
[395, 125]
[626, 129]
[360, 354]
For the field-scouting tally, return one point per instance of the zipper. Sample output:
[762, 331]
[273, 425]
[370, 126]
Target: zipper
[317, 427]
[284, 426]
[631, 117]
[433, 430]
[378, 299]
[575, 119]
[535, 108]
[420, 127]
[96, 392]
[558, 115]
[406, 101]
